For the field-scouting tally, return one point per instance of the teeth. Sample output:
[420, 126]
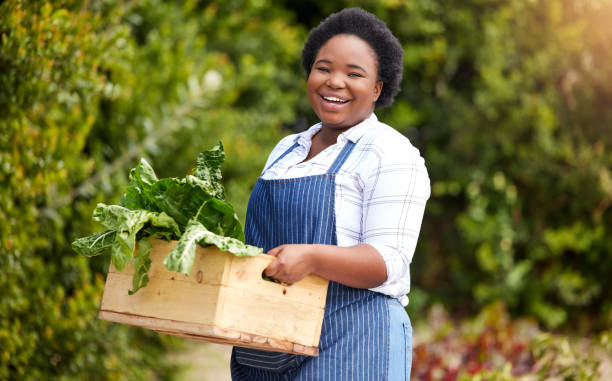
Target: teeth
[334, 99]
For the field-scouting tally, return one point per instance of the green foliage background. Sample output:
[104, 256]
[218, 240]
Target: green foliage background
[508, 101]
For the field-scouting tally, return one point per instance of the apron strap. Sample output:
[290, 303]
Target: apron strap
[281, 156]
[344, 154]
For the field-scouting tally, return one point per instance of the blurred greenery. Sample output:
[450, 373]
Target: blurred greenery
[509, 102]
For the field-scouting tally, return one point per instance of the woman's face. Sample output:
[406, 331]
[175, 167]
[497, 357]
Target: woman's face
[343, 84]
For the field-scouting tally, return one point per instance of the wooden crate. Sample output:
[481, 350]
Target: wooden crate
[223, 300]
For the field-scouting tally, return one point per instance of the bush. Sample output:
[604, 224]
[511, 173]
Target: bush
[87, 88]
[52, 59]
[491, 346]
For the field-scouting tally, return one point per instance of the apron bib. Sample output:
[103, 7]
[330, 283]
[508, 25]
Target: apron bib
[355, 336]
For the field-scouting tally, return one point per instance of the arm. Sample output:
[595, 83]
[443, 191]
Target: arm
[358, 266]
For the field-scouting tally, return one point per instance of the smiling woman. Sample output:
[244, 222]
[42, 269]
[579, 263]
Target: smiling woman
[343, 85]
[343, 200]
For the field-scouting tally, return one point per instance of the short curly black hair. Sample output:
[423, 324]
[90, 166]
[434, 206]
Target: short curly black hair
[372, 30]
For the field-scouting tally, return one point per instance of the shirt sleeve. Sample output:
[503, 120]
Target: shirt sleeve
[396, 190]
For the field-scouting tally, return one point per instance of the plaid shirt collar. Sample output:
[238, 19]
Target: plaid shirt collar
[353, 134]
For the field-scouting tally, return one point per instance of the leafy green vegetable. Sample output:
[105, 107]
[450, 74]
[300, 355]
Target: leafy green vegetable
[127, 223]
[136, 194]
[95, 243]
[208, 169]
[191, 210]
[182, 254]
[142, 264]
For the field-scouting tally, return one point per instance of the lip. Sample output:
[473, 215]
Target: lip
[333, 106]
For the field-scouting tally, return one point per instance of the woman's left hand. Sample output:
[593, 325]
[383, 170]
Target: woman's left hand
[293, 263]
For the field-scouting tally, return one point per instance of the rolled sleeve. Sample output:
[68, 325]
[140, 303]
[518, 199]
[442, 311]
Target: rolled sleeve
[396, 192]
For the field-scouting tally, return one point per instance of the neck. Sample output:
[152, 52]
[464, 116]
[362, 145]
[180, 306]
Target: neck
[329, 135]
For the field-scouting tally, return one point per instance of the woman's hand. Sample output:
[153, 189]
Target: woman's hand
[293, 263]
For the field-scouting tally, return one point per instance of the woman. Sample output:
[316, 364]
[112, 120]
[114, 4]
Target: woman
[343, 200]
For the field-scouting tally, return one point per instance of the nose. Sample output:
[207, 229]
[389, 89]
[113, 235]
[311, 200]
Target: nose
[335, 80]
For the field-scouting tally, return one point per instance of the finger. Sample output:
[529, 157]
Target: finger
[274, 251]
[272, 269]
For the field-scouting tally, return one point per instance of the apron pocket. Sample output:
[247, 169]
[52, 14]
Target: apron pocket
[271, 361]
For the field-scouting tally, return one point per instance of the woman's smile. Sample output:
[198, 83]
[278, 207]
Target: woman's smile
[343, 84]
[333, 103]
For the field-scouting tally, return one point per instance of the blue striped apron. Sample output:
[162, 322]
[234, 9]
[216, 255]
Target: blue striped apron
[365, 335]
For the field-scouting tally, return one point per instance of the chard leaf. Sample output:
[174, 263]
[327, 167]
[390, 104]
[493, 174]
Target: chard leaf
[138, 193]
[220, 218]
[208, 169]
[179, 199]
[153, 231]
[127, 223]
[232, 245]
[142, 264]
[122, 219]
[163, 220]
[182, 255]
[94, 244]
[182, 198]
[122, 250]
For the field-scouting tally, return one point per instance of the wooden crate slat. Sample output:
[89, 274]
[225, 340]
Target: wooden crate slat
[205, 333]
[162, 298]
[269, 316]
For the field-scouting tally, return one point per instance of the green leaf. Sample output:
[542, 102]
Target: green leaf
[182, 198]
[142, 264]
[178, 198]
[182, 255]
[208, 169]
[122, 250]
[163, 220]
[94, 244]
[220, 218]
[127, 223]
[138, 193]
[232, 245]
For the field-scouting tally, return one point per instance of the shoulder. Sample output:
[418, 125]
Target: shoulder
[384, 145]
[390, 164]
[284, 144]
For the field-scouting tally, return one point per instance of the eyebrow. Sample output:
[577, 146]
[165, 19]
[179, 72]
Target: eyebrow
[354, 66]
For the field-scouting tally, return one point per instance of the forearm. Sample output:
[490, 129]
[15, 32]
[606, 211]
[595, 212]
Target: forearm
[359, 266]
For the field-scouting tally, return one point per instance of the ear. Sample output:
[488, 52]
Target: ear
[377, 89]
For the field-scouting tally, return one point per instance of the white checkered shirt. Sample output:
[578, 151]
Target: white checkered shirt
[380, 194]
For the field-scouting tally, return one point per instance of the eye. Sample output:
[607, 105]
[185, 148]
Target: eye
[355, 75]
[323, 69]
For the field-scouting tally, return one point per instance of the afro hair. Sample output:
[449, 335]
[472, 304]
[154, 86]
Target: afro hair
[372, 30]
